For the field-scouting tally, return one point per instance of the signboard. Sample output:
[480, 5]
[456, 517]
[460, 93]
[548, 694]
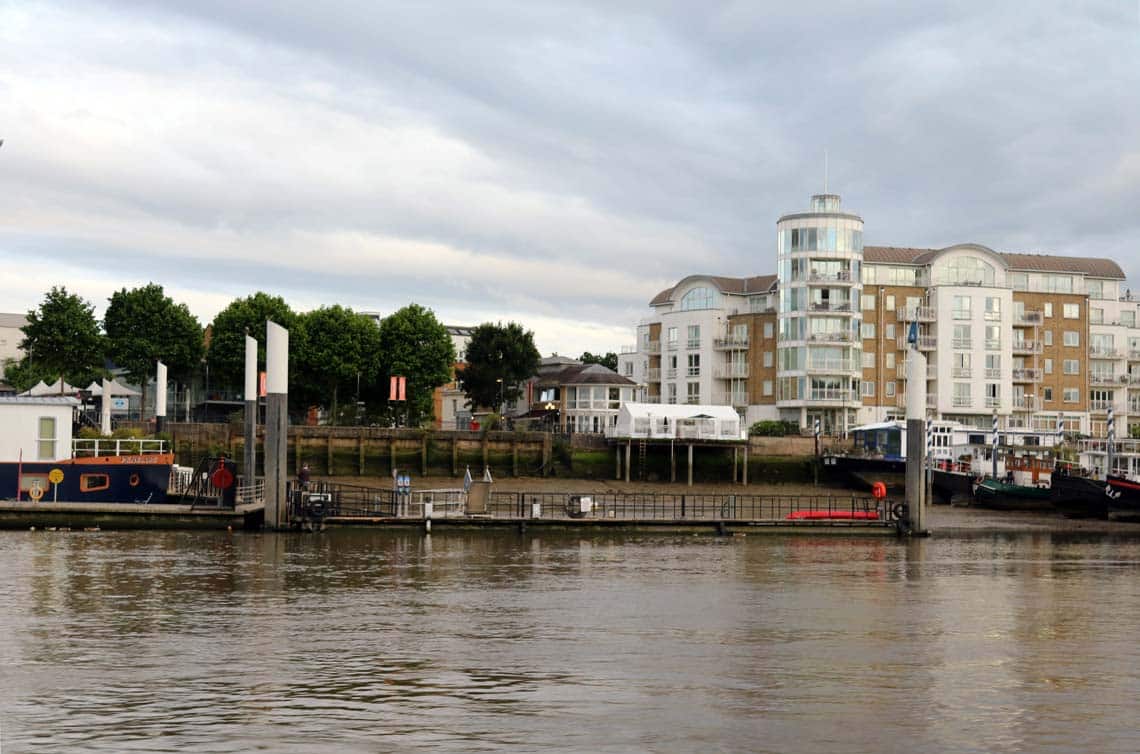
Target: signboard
[120, 404]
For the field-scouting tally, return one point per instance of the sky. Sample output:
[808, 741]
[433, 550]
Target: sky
[555, 164]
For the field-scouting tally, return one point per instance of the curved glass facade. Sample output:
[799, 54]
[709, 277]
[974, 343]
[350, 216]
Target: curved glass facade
[699, 298]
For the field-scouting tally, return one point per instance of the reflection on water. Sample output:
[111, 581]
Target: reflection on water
[370, 641]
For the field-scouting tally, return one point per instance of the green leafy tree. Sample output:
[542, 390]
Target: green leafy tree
[498, 358]
[609, 360]
[62, 339]
[413, 344]
[144, 325]
[24, 374]
[225, 355]
[338, 352]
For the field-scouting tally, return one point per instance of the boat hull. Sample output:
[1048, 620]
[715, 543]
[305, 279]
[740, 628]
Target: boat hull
[1012, 497]
[951, 486]
[104, 479]
[859, 473]
[1079, 497]
[1123, 498]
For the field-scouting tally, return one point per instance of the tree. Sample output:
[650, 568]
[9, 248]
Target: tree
[143, 326]
[609, 360]
[23, 374]
[498, 358]
[62, 339]
[337, 348]
[413, 344]
[225, 356]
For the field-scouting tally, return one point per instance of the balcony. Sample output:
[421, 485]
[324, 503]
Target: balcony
[1101, 407]
[731, 343]
[992, 402]
[1026, 346]
[1028, 319]
[653, 375]
[671, 345]
[993, 345]
[829, 277]
[961, 373]
[1026, 403]
[840, 307]
[1101, 352]
[735, 400]
[693, 343]
[1106, 379]
[992, 374]
[1134, 355]
[832, 366]
[916, 314]
[653, 399]
[731, 372]
[931, 371]
[671, 373]
[964, 343]
[653, 347]
[831, 395]
[830, 337]
[629, 349]
[1026, 375]
[962, 401]
[925, 343]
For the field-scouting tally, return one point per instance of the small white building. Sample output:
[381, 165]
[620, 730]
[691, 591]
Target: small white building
[35, 428]
[678, 422]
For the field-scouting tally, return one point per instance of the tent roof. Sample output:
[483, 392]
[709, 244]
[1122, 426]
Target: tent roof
[53, 389]
[117, 388]
[681, 411]
[880, 425]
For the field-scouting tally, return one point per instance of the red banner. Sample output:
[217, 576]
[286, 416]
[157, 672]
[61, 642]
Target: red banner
[262, 389]
[397, 389]
[403, 385]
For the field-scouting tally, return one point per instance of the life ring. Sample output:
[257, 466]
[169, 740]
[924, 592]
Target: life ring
[878, 490]
[134, 480]
[35, 492]
[898, 511]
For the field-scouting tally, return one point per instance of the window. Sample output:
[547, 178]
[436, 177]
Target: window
[890, 357]
[993, 394]
[993, 308]
[1057, 283]
[699, 298]
[961, 336]
[993, 366]
[768, 358]
[94, 482]
[1072, 311]
[671, 393]
[868, 301]
[1019, 281]
[694, 336]
[767, 387]
[889, 390]
[1048, 392]
[868, 389]
[694, 392]
[1095, 288]
[1071, 395]
[889, 332]
[768, 328]
[671, 338]
[1048, 366]
[694, 365]
[993, 336]
[890, 303]
[868, 359]
[1072, 338]
[1072, 366]
[45, 441]
[962, 394]
[961, 307]
[1096, 314]
[1048, 337]
[968, 270]
[868, 330]
[1128, 318]
[1048, 308]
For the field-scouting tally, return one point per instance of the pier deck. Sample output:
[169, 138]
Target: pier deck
[23, 515]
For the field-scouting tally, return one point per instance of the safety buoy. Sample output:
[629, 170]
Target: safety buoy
[879, 490]
[35, 492]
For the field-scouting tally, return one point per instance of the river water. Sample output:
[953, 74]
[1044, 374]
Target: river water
[369, 641]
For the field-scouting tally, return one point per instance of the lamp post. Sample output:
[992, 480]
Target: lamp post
[500, 381]
[553, 418]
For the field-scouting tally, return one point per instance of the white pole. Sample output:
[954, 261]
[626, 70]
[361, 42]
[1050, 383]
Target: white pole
[276, 422]
[915, 438]
[160, 397]
[105, 410]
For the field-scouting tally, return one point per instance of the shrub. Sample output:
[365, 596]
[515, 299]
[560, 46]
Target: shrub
[771, 428]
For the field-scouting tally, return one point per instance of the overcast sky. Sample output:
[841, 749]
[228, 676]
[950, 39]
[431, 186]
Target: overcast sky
[551, 163]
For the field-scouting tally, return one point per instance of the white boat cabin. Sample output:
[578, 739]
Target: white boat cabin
[35, 428]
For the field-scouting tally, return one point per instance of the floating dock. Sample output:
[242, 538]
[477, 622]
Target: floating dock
[24, 515]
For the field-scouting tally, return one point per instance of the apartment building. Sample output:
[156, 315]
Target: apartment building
[1035, 339]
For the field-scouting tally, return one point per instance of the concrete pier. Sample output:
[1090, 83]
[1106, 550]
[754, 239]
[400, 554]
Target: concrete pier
[250, 396]
[276, 424]
[915, 440]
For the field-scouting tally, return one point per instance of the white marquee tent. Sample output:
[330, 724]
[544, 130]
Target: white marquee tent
[677, 421]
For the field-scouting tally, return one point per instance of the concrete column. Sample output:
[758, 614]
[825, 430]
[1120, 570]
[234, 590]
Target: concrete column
[105, 409]
[690, 464]
[735, 452]
[250, 398]
[915, 439]
[672, 462]
[744, 471]
[628, 445]
[617, 461]
[276, 423]
[160, 397]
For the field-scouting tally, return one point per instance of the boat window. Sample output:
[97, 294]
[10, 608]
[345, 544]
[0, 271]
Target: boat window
[94, 482]
[46, 439]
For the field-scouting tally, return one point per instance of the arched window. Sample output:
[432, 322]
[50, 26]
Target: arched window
[965, 271]
[699, 298]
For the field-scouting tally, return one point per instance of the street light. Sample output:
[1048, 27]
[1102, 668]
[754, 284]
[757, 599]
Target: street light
[500, 381]
[550, 415]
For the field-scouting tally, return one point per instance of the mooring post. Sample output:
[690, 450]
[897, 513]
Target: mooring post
[628, 444]
[160, 398]
[744, 474]
[690, 464]
[915, 438]
[735, 452]
[250, 398]
[276, 423]
[672, 462]
[617, 462]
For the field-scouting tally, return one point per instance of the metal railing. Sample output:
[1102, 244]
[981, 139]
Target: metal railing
[917, 313]
[1029, 318]
[925, 342]
[730, 372]
[1026, 403]
[86, 448]
[1026, 375]
[1101, 352]
[1027, 346]
[731, 343]
[653, 347]
[653, 375]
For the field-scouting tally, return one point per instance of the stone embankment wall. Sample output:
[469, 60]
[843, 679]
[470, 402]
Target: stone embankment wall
[373, 452]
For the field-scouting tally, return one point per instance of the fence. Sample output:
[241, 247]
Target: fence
[347, 501]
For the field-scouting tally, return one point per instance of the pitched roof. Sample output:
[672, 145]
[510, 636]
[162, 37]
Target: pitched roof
[1091, 266]
[737, 286]
[584, 374]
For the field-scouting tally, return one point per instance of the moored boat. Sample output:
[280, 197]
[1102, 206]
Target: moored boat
[1078, 496]
[1123, 498]
[998, 495]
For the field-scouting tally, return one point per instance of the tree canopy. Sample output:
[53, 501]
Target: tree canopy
[336, 349]
[61, 339]
[498, 358]
[415, 345]
[609, 360]
[226, 352]
[144, 325]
